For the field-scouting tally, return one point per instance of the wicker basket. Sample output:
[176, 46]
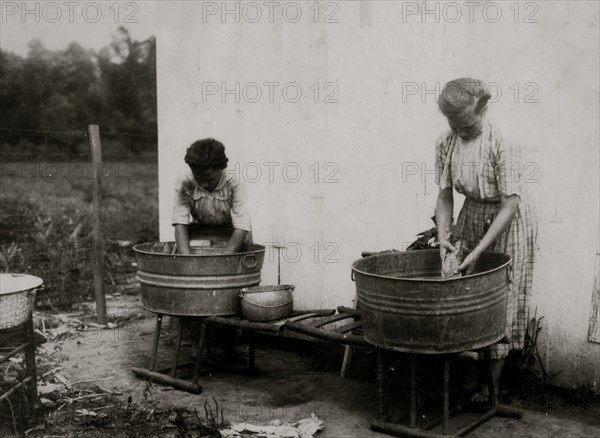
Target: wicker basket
[17, 293]
[267, 303]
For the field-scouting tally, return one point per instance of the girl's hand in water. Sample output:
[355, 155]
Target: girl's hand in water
[446, 247]
[467, 267]
[449, 257]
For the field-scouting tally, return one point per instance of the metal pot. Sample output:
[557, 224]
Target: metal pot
[408, 307]
[267, 303]
[17, 293]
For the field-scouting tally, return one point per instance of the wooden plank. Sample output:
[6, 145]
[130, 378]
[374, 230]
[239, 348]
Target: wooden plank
[243, 324]
[330, 319]
[98, 245]
[344, 339]
[355, 313]
[12, 352]
[303, 317]
[267, 326]
[349, 327]
[22, 383]
[176, 383]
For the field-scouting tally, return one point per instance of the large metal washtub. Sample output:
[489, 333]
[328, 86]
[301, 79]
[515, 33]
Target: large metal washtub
[408, 307]
[204, 283]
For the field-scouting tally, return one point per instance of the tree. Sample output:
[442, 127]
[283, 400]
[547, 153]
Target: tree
[128, 71]
[65, 90]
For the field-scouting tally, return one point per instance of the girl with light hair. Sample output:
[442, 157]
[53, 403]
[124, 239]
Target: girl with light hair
[477, 160]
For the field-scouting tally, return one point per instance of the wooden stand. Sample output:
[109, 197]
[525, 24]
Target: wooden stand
[27, 347]
[169, 376]
[411, 430]
[171, 379]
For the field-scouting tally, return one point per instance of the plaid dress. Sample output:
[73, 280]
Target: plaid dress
[226, 204]
[483, 169]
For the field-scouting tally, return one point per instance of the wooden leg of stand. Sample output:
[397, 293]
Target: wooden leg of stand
[177, 347]
[30, 361]
[346, 360]
[446, 395]
[380, 383]
[413, 391]
[154, 352]
[199, 350]
[251, 354]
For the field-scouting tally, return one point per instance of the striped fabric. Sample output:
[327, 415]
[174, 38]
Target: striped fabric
[493, 165]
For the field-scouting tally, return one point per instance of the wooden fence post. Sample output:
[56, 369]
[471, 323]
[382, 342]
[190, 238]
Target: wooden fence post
[98, 245]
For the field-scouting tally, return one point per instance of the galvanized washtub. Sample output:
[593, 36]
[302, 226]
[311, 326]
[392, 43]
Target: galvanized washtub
[408, 307]
[204, 283]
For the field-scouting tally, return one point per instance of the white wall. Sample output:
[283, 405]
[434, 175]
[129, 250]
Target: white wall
[372, 136]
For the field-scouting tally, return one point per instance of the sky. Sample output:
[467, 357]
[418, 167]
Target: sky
[57, 23]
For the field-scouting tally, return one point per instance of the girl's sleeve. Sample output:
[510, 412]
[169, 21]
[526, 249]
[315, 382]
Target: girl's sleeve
[508, 166]
[181, 203]
[240, 212]
[443, 174]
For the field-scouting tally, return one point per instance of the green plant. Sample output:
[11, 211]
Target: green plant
[530, 357]
[213, 420]
[45, 228]
[524, 374]
[427, 239]
[10, 257]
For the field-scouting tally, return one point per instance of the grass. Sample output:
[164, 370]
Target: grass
[92, 414]
[45, 221]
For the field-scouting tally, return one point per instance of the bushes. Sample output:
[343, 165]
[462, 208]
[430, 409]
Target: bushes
[45, 229]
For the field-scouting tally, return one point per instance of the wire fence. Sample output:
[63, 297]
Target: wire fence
[45, 207]
[20, 144]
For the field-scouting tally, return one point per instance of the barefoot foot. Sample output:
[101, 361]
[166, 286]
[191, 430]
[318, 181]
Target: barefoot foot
[481, 396]
[468, 355]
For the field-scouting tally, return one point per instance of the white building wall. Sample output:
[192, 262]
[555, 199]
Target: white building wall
[372, 139]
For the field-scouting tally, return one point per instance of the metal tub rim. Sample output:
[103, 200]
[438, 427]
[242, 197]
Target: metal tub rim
[429, 279]
[137, 248]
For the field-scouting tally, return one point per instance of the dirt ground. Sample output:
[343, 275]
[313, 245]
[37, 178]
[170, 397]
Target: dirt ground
[104, 398]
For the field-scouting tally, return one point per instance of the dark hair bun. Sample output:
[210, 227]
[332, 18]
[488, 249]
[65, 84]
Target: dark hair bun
[482, 101]
[206, 153]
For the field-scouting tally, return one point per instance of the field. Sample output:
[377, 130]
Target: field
[45, 222]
